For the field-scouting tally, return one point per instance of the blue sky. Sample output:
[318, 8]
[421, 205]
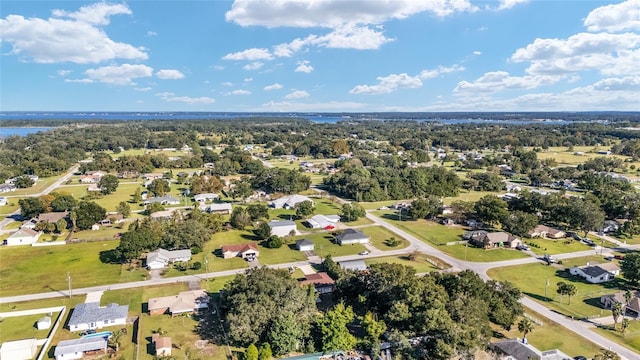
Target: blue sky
[320, 55]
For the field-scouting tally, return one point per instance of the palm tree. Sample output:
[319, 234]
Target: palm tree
[607, 355]
[114, 340]
[525, 326]
[616, 311]
[628, 296]
[571, 290]
[624, 326]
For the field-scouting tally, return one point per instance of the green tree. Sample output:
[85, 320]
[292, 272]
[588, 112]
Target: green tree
[304, 209]
[490, 209]
[159, 187]
[265, 352]
[607, 355]
[31, 207]
[108, 184]
[426, 207]
[251, 353]
[525, 326]
[61, 225]
[616, 311]
[258, 211]
[584, 214]
[567, 289]
[624, 326]
[206, 184]
[263, 231]
[241, 188]
[137, 196]
[274, 242]
[333, 328]
[630, 267]
[519, 222]
[373, 329]
[23, 182]
[285, 333]
[352, 212]
[240, 218]
[123, 209]
[63, 202]
[89, 213]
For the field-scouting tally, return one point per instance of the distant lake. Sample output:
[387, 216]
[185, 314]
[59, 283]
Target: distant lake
[20, 131]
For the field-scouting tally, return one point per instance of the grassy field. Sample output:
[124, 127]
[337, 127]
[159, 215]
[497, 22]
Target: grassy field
[439, 235]
[324, 245]
[531, 279]
[550, 335]
[548, 246]
[23, 327]
[25, 270]
[631, 338]
[42, 184]
[379, 235]
[12, 205]
[421, 265]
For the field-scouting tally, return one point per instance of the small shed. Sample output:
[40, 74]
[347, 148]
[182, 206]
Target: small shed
[305, 245]
[43, 323]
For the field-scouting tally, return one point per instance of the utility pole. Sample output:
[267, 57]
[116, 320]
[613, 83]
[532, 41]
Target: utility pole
[545, 290]
[206, 264]
[69, 280]
[465, 251]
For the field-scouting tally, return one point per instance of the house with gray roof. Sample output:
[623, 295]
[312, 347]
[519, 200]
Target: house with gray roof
[216, 208]
[596, 273]
[93, 316]
[282, 228]
[357, 265]
[160, 258]
[289, 202]
[352, 236]
[163, 200]
[517, 349]
[76, 348]
[323, 221]
[305, 245]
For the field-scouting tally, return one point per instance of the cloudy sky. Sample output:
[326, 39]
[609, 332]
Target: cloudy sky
[320, 55]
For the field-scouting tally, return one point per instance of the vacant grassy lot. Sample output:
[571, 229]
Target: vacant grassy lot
[379, 235]
[42, 184]
[12, 205]
[421, 265]
[631, 338]
[531, 279]
[25, 270]
[324, 245]
[550, 335]
[23, 327]
[548, 246]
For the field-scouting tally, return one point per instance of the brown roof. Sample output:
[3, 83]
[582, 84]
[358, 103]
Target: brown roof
[238, 248]
[52, 217]
[321, 278]
[183, 302]
[161, 342]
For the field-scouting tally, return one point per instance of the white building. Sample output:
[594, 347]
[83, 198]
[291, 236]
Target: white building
[160, 258]
[19, 349]
[3, 201]
[282, 228]
[289, 202]
[596, 274]
[323, 221]
[92, 316]
[75, 349]
[23, 236]
[201, 198]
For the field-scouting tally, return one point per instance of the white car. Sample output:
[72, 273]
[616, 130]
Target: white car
[364, 253]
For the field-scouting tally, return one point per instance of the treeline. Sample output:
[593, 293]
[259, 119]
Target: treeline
[444, 315]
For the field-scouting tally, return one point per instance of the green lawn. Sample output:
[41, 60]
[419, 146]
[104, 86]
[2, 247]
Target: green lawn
[105, 233]
[12, 225]
[12, 205]
[439, 235]
[631, 338]
[25, 270]
[109, 202]
[42, 184]
[379, 235]
[23, 327]
[324, 245]
[551, 335]
[421, 265]
[531, 279]
[548, 246]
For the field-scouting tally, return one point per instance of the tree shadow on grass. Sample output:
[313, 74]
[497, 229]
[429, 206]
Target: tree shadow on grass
[537, 296]
[110, 257]
[250, 237]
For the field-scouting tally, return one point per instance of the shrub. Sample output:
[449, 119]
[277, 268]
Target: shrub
[196, 265]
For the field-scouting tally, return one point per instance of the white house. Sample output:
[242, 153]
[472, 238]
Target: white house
[596, 274]
[201, 198]
[160, 258]
[3, 201]
[163, 200]
[216, 208]
[23, 236]
[75, 349]
[305, 245]
[19, 349]
[43, 323]
[245, 251]
[323, 221]
[289, 202]
[282, 228]
[92, 316]
[351, 236]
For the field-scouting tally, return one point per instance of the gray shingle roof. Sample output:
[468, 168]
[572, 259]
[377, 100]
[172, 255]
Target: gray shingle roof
[80, 345]
[304, 242]
[351, 234]
[516, 349]
[92, 312]
[276, 223]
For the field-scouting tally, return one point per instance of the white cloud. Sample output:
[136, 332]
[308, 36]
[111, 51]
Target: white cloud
[327, 106]
[287, 49]
[333, 13]
[253, 66]
[171, 97]
[303, 66]
[63, 73]
[275, 86]
[151, 33]
[500, 80]
[477, 53]
[239, 92]
[143, 89]
[119, 75]
[169, 74]
[218, 67]
[249, 79]
[226, 83]
[430, 74]
[508, 4]
[389, 84]
[80, 81]
[68, 36]
[249, 54]
[298, 94]
[615, 18]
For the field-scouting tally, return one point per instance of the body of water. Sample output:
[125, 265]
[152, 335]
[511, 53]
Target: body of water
[20, 131]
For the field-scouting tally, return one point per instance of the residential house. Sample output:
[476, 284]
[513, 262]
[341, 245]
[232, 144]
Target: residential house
[77, 348]
[7, 187]
[92, 316]
[185, 302]
[631, 309]
[610, 226]
[447, 210]
[282, 228]
[356, 265]
[289, 202]
[3, 201]
[152, 176]
[490, 240]
[162, 345]
[51, 217]
[596, 274]
[164, 214]
[163, 200]
[321, 281]
[305, 245]
[323, 221]
[216, 208]
[546, 232]
[201, 198]
[43, 323]
[160, 258]
[517, 349]
[112, 219]
[87, 179]
[19, 349]
[93, 187]
[23, 236]
[245, 251]
[352, 236]
[12, 181]
[129, 174]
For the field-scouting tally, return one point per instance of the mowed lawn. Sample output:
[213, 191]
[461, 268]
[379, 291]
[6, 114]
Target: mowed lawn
[439, 235]
[531, 279]
[422, 265]
[631, 338]
[379, 235]
[550, 335]
[552, 247]
[109, 202]
[324, 245]
[25, 270]
[23, 327]
[12, 205]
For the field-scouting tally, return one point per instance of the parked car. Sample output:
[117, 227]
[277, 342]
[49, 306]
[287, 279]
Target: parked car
[87, 332]
[618, 257]
[522, 247]
[549, 259]
[364, 253]
[588, 242]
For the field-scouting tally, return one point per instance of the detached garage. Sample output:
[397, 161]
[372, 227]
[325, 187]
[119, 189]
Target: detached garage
[19, 349]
